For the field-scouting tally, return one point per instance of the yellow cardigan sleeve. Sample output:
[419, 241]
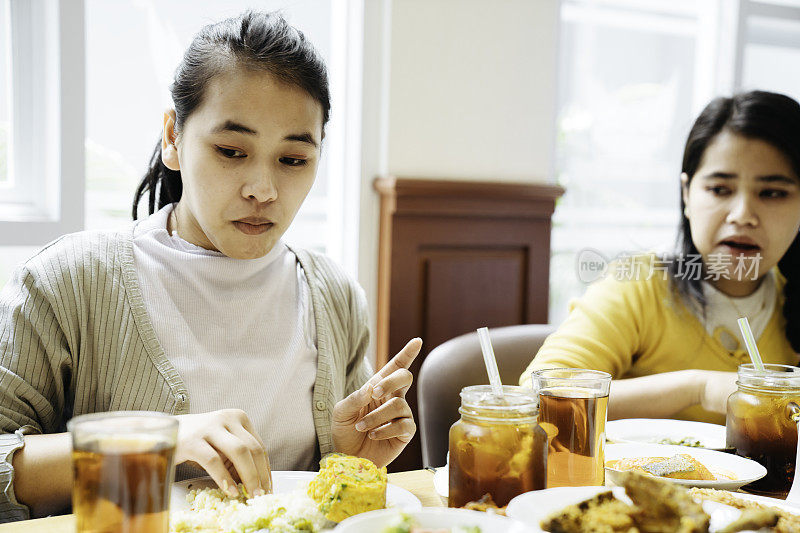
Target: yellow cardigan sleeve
[603, 330]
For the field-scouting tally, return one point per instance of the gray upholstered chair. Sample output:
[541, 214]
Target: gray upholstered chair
[458, 363]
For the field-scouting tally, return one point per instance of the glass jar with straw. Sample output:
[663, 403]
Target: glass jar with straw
[497, 447]
[762, 418]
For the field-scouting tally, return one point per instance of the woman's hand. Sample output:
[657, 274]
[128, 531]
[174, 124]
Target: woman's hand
[375, 421]
[715, 388]
[226, 446]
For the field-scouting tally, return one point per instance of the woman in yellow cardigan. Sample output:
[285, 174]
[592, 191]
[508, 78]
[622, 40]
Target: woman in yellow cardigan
[665, 327]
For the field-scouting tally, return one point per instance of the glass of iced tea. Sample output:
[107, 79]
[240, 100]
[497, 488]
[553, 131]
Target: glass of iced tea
[497, 447]
[572, 410]
[761, 424]
[123, 466]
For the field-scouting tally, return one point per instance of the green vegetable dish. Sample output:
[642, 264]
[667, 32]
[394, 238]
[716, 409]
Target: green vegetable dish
[406, 524]
[685, 441]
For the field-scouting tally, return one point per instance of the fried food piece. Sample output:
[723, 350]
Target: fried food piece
[680, 466]
[347, 485]
[752, 519]
[787, 522]
[486, 505]
[601, 514]
[658, 507]
[663, 507]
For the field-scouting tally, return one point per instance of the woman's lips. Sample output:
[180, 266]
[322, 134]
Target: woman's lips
[252, 229]
[736, 249]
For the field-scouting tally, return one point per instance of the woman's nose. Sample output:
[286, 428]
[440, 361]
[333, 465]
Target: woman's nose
[260, 188]
[743, 212]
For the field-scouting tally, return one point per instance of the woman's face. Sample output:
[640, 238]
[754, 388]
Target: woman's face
[248, 156]
[743, 200]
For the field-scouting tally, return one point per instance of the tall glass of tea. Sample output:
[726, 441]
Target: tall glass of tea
[761, 424]
[497, 447]
[572, 410]
[123, 466]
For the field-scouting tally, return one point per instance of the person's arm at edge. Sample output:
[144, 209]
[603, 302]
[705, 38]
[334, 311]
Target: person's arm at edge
[43, 473]
[664, 395]
[36, 476]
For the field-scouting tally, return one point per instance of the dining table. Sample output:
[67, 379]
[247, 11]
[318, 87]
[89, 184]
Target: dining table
[417, 482]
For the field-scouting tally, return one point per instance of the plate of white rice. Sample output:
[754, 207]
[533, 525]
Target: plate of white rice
[198, 506]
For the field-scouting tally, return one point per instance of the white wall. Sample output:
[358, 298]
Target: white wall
[472, 88]
[454, 89]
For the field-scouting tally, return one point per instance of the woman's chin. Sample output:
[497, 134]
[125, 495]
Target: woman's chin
[250, 250]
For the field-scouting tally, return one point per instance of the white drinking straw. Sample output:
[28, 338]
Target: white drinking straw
[750, 342]
[491, 362]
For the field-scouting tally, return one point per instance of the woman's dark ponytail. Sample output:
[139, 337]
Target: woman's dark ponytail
[159, 181]
[260, 41]
[789, 265]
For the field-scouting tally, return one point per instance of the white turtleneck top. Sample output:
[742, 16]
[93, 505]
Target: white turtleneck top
[240, 332]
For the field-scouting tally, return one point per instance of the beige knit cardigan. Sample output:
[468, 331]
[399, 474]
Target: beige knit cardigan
[75, 338]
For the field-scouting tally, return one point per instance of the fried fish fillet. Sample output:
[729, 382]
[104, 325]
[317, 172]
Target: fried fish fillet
[681, 466]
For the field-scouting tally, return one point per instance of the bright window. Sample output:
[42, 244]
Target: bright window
[633, 76]
[628, 90]
[5, 92]
[42, 120]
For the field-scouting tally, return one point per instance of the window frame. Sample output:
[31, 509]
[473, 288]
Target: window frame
[48, 123]
[747, 32]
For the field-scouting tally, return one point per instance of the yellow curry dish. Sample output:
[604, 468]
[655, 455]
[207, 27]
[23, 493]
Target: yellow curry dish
[347, 485]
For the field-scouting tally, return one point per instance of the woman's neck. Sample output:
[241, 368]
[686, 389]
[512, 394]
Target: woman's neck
[182, 224]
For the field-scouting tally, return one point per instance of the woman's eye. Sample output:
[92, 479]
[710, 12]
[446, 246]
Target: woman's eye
[292, 161]
[773, 193]
[718, 190]
[231, 153]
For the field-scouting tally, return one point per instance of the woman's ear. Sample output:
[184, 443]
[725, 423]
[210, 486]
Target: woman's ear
[169, 151]
[685, 193]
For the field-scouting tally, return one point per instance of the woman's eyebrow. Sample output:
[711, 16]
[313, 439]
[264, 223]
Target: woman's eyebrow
[778, 178]
[305, 137]
[230, 125]
[721, 175]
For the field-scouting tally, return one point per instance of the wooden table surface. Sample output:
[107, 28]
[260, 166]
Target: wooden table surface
[418, 482]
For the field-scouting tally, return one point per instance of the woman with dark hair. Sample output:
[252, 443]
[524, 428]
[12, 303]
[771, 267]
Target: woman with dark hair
[666, 328]
[201, 310]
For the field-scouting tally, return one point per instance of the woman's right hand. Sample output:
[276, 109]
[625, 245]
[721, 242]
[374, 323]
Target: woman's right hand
[226, 446]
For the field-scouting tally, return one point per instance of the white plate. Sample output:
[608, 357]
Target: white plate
[743, 470]
[432, 517]
[286, 481]
[766, 500]
[651, 430]
[533, 507]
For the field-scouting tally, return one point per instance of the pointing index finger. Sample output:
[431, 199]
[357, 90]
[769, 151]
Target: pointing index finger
[403, 359]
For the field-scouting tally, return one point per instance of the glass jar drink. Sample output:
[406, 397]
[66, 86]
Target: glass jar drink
[573, 405]
[497, 447]
[761, 424]
[123, 467]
